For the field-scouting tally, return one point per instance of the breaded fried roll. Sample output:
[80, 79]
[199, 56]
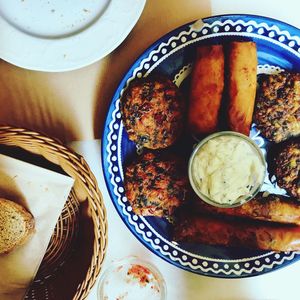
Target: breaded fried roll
[242, 65]
[193, 228]
[272, 208]
[206, 89]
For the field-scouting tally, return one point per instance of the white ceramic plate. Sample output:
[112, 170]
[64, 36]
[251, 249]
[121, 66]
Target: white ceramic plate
[62, 35]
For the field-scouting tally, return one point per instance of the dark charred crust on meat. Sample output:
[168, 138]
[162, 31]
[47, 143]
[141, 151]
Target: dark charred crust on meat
[153, 111]
[156, 184]
[142, 139]
[147, 91]
[277, 110]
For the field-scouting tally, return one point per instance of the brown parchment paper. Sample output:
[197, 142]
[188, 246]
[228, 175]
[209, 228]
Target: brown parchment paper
[44, 194]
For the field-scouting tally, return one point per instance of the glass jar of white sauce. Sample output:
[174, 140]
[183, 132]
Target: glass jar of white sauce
[226, 169]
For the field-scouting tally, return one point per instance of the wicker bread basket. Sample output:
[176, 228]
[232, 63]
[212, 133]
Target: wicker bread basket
[76, 251]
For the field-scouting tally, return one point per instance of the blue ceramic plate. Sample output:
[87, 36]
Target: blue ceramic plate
[278, 47]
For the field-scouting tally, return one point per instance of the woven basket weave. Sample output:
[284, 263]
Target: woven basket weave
[76, 251]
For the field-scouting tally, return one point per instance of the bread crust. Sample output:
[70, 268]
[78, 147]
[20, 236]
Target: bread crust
[27, 219]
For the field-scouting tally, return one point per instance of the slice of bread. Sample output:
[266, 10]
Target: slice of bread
[16, 225]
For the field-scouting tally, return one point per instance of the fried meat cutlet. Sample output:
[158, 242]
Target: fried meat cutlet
[152, 112]
[287, 168]
[156, 185]
[277, 112]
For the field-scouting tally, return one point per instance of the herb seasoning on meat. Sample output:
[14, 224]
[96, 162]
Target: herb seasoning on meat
[152, 112]
[156, 185]
[288, 168]
[277, 112]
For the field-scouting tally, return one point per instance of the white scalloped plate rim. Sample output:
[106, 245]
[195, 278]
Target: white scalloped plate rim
[271, 259]
[66, 53]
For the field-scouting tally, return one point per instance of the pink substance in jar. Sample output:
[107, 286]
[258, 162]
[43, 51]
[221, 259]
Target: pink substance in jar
[131, 279]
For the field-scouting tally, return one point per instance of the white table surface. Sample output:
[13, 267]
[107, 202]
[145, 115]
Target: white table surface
[282, 284]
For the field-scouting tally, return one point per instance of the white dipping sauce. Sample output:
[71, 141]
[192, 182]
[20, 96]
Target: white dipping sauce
[226, 168]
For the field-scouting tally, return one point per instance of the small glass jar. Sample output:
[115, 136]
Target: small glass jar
[225, 137]
[131, 278]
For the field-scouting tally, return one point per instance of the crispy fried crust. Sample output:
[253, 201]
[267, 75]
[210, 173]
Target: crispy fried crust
[206, 89]
[277, 111]
[153, 112]
[213, 231]
[16, 225]
[156, 185]
[272, 208]
[242, 61]
[287, 168]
